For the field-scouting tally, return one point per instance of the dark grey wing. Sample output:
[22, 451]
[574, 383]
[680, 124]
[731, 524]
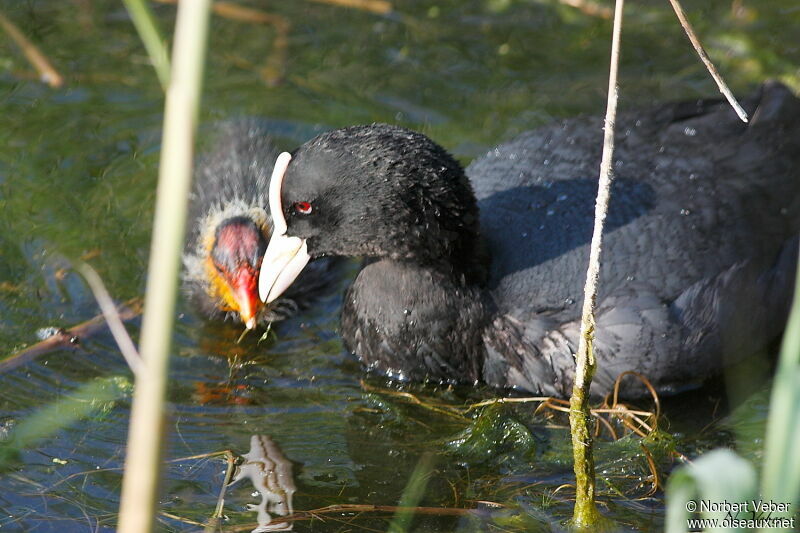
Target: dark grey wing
[700, 200]
[678, 345]
[694, 193]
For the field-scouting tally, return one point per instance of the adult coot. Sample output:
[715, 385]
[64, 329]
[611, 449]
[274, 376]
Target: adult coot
[479, 275]
[229, 227]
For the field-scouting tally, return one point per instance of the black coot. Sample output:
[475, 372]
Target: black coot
[479, 275]
[229, 226]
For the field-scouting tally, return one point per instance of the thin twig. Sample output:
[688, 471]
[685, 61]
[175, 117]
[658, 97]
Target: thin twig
[645, 382]
[239, 13]
[653, 470]
[381, 7]
[115, 325]
[65, 338]
[493, 401]
[585, 512]
[600, 420]
[213, 523]
[723, 87]
[181, 519]
[47, 73]
[619, 409]
[230, 459]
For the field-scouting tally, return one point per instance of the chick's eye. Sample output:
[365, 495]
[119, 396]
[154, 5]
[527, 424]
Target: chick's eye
[303, 208]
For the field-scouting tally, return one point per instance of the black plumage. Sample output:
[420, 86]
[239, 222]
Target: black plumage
[698, 263]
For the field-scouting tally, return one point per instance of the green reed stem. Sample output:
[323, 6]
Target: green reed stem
[781, 472]
[151, 36]
[585, 514]
[146, 433]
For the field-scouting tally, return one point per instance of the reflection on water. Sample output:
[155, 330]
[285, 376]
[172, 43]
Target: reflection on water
[270, 472]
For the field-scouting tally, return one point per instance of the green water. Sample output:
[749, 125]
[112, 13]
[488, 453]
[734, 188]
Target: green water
[77, 175]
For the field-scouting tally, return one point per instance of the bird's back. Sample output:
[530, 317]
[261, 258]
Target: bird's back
[695, 191]
[699, 247]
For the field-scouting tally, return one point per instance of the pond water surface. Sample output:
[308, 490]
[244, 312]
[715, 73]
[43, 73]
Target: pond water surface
[78, 167]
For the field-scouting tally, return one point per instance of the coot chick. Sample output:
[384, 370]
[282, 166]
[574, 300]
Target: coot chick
[478, 276]
[229, 227]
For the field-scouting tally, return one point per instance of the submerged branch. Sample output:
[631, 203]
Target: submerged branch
[363, 508]
[65, 338]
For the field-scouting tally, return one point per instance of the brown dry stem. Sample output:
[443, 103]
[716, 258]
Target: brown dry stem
[35, 57]
[380, 7]
[723, 87]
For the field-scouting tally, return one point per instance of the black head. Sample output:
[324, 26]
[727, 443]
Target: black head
[380, 191]
[377, 191]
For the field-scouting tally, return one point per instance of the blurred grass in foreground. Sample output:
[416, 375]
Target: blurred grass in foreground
[722, 476]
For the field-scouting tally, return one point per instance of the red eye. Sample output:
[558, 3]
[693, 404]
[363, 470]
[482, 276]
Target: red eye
[303, 208]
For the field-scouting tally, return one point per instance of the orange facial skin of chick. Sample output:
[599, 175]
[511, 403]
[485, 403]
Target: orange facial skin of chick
[239, 295]
[237, 290]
